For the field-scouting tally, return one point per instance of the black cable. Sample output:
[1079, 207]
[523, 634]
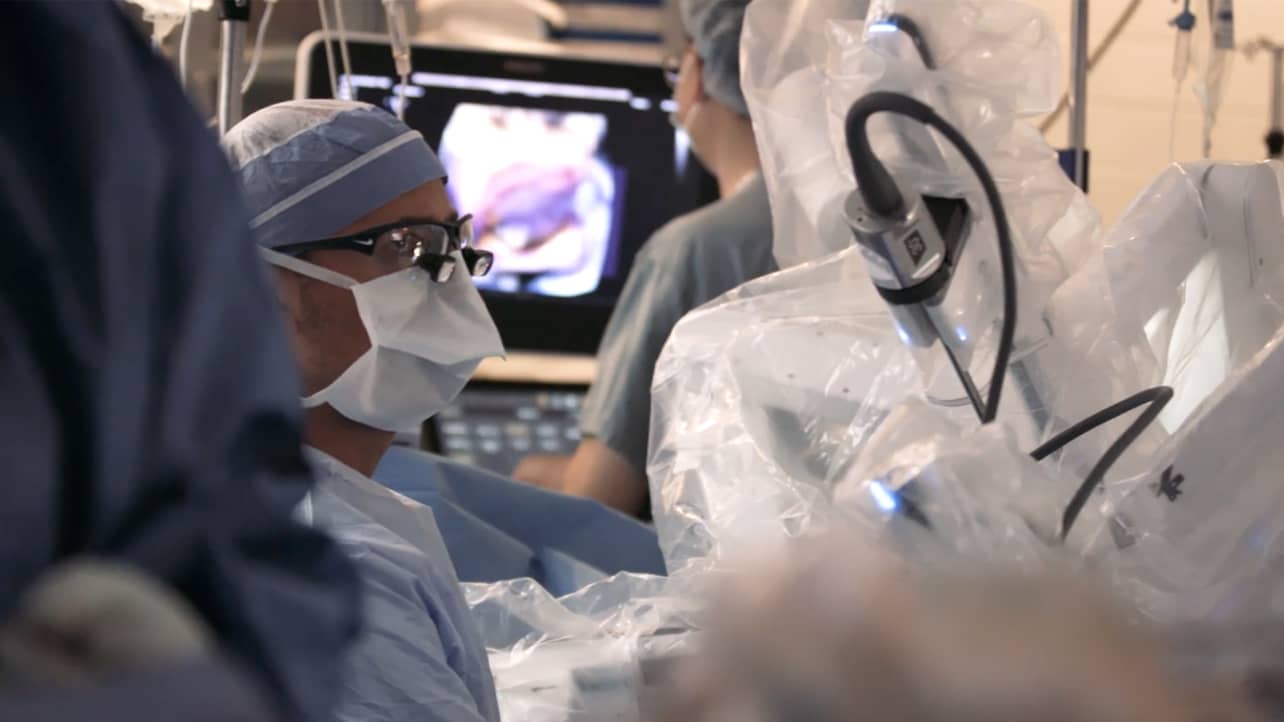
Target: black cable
[1108, 414]
[879, 191]
[905, 24]
[1157, 398]
[874, 182]
[881, 195]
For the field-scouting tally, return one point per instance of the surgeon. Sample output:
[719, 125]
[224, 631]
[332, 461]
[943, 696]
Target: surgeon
[688, 262]
[373, 270]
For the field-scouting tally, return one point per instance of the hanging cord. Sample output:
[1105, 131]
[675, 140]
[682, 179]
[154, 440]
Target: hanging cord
[1172, 122]
[399, 42]
[182, 45]
[329, 51]
[1185, 24]
[882, 196]
[343, 44]
[258, 47]
[1155, 399]
[1094, 57]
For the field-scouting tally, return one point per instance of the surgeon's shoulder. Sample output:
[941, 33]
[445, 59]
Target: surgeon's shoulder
[730, 227]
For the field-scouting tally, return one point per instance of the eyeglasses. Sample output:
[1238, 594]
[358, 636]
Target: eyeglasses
[672, 67]
[430, 245]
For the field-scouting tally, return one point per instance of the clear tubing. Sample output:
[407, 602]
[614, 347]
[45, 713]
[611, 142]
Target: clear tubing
[253, 70]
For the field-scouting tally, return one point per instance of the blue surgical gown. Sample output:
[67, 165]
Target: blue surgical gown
[421, 657]
[150, 413]
[687, 263]
[206, 690]
[497, 529]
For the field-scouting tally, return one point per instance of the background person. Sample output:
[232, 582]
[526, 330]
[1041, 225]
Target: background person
[690, 261]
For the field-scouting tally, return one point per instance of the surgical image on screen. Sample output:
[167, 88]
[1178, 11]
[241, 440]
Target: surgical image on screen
[543, 198]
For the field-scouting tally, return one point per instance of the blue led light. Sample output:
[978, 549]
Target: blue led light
[883, 497]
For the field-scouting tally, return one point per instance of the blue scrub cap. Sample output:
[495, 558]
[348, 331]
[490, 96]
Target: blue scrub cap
[310, 167]
[714, 27]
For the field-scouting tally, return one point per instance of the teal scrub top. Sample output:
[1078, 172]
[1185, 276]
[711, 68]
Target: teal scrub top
[687, 263]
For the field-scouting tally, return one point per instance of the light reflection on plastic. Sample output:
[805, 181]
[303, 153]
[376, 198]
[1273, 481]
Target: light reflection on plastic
[882, 26]
[900, 331]
[884, 498]
[961, 333]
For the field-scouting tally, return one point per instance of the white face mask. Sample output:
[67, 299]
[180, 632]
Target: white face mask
[426, 339]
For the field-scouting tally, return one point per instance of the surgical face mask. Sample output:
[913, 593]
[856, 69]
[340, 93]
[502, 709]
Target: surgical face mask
[426, 340]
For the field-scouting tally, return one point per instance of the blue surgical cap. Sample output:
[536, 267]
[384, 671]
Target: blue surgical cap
[310, 167]
[714, 27]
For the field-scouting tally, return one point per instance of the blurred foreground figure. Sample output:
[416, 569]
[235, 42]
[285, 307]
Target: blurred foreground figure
[829, 642]
[148, 565]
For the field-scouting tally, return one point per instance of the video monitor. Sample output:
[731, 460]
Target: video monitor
[566, 165]
[545, 200]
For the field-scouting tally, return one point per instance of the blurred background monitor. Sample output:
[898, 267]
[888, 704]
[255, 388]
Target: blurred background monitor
[494, 424]
[567, 165]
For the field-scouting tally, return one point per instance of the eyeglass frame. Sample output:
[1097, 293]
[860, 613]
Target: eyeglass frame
[671, 65]
[672, 69]
[440, 266]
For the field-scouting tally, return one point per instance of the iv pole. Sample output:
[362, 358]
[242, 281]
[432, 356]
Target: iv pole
[234, 17]
[1275, 137]
[1079, 93]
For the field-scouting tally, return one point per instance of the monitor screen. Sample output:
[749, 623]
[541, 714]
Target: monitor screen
[566, 165]
[545, 199]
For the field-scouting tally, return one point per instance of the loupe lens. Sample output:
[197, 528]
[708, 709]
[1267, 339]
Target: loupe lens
[479, 262]
[440, 268]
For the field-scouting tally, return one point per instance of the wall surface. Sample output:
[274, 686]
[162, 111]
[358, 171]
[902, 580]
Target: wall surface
[1130, 96]
[1130, 93]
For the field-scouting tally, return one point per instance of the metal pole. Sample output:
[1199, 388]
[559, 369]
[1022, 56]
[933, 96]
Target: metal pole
[1079, 92]
[235, 19]
[1275, 136]
[1277, 75]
